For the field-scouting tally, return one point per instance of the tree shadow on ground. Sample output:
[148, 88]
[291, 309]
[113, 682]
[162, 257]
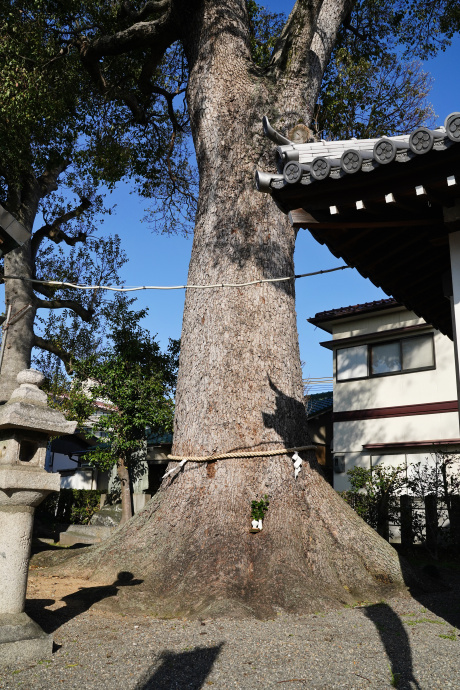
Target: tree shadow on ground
[396, 642]
[183, 670]
[76, 603]
[443, 598]
[40, 546]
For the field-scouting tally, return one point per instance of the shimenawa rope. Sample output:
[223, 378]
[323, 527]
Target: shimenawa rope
[237, 454]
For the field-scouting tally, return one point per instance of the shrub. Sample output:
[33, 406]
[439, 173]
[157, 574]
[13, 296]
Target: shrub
[74, 506]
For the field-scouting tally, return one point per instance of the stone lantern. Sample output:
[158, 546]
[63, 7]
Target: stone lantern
[26, 424]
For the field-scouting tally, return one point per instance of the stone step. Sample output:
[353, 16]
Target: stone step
[84, 534]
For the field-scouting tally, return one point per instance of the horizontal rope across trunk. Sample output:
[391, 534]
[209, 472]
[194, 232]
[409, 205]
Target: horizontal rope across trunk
[239, 454]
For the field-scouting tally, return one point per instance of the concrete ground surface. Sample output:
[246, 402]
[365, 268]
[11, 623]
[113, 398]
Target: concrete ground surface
[403, 643]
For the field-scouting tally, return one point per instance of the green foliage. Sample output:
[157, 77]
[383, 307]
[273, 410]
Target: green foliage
[374, 84]
[394, 679]
[64, 134]
[136, 381]
[264, 29]
[259, 508]
[438, 475]
[73, 506]
[367, 97]
[372, 490]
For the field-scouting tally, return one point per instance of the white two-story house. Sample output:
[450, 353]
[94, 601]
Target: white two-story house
[395, 397]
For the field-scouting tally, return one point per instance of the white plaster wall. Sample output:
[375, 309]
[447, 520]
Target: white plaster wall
[80, 479]
[340, 481]
[352, 436]
[384, 321]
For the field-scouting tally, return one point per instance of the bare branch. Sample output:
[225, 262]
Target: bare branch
[353, 30]
[169, 97]
[73, 305]
[54, 232]
[49, 346]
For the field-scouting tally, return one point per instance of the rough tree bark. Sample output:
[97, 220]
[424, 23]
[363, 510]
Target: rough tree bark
[125, 487]
[239, 383]
[23, 203]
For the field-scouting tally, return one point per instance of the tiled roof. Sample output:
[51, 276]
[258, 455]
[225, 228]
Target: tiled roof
[353, 309]
[318, 402]
[391, 225]
[314, 162]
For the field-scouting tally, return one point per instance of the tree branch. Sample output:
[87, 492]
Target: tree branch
[293, 45]
[140, 34]
[302, 54]
[352, 29]
[149, 8]
[83, 313]
[157, 35]
[48, 180]
[49, 346]
[54, 232]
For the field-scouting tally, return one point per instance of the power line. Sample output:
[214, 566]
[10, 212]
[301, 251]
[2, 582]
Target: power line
[56, 283]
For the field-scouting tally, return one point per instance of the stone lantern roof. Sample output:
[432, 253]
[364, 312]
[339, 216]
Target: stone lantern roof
[28, 408]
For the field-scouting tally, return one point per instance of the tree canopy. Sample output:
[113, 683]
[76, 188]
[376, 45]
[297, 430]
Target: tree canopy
[134, 382]
[65, 141]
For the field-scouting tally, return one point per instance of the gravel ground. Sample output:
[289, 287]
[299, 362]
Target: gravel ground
[404, 643]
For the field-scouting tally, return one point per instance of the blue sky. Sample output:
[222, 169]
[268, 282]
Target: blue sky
[163, 260]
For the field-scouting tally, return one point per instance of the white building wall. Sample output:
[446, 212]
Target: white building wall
[352, 436]
[80, 479]
[413, 388]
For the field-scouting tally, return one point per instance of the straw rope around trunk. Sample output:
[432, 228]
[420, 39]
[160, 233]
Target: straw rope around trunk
[238, 454]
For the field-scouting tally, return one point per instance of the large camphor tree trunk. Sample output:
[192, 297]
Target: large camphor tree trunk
[240, 384]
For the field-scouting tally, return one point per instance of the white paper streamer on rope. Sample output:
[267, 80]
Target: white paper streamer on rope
[177, 467]
[297, 464]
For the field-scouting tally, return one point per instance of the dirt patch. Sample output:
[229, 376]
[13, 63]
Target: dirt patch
[46, 587]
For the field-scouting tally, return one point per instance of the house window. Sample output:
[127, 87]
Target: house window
[352, 363]
[383, 359]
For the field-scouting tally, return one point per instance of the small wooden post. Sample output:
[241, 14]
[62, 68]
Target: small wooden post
[383, 526]
[431, 524]
[407, 532]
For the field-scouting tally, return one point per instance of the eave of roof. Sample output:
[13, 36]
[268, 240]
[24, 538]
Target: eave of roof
[323, 318]
[393, 224]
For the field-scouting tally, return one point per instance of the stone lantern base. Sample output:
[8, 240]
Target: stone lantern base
[26, 424]
[22, 640]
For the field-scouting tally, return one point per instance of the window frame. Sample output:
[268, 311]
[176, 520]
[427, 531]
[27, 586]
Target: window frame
[400, 372]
